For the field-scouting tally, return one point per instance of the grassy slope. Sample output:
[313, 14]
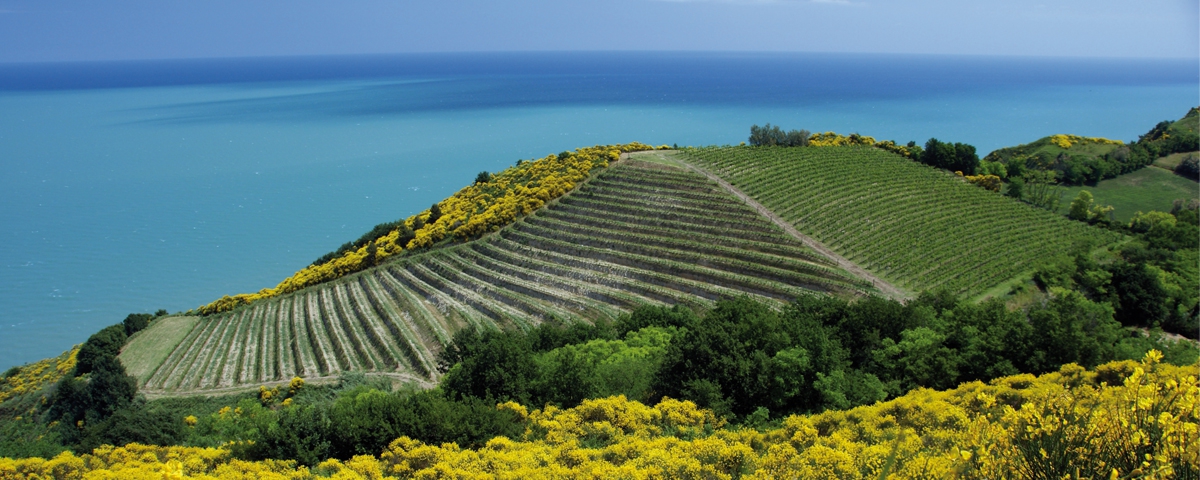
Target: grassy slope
[639, 232]
[1171, 161]
[1189, 123]
[1051, 150]
[1144, 190]
[913, 225]
[148, 348]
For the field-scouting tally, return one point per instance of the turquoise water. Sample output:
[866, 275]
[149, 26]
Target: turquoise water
[138, 186]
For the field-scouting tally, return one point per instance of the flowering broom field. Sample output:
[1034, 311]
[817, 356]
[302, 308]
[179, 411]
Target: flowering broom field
[914, 225]
[1121, 420]
[636, 233]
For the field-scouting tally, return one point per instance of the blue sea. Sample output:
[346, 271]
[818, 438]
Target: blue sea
[134, 186]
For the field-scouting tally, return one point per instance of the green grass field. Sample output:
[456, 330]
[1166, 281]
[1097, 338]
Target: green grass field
[148, 348]
[1150, 188]
[1173, 160]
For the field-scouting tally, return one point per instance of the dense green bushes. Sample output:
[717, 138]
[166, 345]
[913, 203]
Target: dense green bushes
[817, 353]
[104, 344]
[1152, 281]
[955, 157]
[773, 135]
[747, 360]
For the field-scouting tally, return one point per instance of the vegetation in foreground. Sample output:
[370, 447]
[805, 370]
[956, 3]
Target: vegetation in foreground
[1120, 420]
[744, 361]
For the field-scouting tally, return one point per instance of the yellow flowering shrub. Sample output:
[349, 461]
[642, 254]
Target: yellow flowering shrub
[989, 182]
[1122, 420]
[830, 139]
[1066, 141]
[470, 213]
[32, 377]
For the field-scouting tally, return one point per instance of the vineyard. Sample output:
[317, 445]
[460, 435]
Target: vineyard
[916, 226]
[637, 233]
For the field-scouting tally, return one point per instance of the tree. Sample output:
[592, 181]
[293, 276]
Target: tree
[1141, 298]
[136, 322]
[106, 343]
[491, 365]
[797, 138]
[1042, 190]
[919, 359]
[372, 257]
[769, 135]
[1080, 206]
[1189, 167]
[955, 157]
[766, 135]
[483, 177]
[109, 388]
[1070, 328]
[1016, 188]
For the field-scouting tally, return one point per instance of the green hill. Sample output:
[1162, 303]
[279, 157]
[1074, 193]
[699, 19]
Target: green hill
[640, 232]
[919, 227]
[1078, 160]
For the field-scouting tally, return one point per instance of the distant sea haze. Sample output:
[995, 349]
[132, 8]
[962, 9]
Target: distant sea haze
[134, 186]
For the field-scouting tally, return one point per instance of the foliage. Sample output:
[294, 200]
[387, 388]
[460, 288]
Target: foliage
[106, 343]
[1083, 210]
[1152, 281]
[1078, 160]
[369, 237]
[769, 136]
[955, 157]
[30, 378]
[1042, 190]
[1065, 141]
[773, 135]
[1190, 166]
[136, 322]
[987, 182]
[830, 139]
[473, 211]
[1124, 419]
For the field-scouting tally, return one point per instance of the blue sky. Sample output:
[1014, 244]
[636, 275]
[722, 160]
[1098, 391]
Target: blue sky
[122, 29]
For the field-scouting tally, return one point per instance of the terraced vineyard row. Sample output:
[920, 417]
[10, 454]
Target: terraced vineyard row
[911, 224]
[637, 233]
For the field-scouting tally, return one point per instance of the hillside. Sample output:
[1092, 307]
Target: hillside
[1077, 159]
[639, 232]
[919, 227]
[1051, 147]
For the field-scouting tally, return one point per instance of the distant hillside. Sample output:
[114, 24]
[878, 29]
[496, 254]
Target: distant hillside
[638, 233]
[919, 227]
[1077, 159]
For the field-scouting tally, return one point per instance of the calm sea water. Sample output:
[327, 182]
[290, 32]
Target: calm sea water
[134, 186]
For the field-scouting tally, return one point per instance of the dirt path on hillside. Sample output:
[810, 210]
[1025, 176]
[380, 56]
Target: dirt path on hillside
[883, 286]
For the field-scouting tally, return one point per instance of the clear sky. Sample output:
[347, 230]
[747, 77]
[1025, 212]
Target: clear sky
[54, 30]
